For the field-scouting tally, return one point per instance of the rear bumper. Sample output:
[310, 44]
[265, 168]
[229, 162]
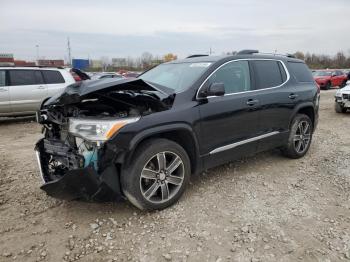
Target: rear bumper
[85, 183]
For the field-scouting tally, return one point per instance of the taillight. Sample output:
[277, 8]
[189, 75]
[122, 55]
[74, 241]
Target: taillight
[318, 87]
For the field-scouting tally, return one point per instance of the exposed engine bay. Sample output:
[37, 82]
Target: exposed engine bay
[76, 132]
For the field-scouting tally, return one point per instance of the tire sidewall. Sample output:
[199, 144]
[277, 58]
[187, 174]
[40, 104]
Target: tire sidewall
[291, 147]
[130, 177]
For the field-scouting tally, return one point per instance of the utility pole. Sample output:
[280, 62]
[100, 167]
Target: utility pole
[69, 52]
[37, 54]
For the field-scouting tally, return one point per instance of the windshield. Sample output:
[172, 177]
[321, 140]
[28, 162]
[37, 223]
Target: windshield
[175, 76]
[322, 73]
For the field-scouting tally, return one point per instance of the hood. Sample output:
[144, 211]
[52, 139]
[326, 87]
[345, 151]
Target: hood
[321, 77]
[76, 92]
[346, 88]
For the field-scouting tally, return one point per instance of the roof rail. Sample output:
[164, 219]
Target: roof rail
[276, 54]
[199, 55]
[247, 52]
[58, 67]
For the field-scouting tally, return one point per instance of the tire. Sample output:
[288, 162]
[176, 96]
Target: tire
[343, 84]
[300, 132]
[149, 186]
[339, 108]
[328, 86]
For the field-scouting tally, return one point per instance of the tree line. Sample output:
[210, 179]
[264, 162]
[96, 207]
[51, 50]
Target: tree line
[314, 61]
[147, 60]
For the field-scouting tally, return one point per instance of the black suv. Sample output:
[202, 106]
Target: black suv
[143, 138]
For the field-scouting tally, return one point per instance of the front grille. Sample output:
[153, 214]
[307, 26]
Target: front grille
[346, 96]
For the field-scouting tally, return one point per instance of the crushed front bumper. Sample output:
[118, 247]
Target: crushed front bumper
[85, 183]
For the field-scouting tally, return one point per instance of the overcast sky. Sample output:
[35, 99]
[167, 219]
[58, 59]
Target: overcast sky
[128, 28]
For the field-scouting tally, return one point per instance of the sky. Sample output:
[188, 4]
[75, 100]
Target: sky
[129, 28]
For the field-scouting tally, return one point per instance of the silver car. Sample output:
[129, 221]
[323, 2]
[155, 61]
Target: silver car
[24, 89]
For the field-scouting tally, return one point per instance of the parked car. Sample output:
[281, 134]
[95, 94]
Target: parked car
[24, 89]
[106, 75]
[342, 99]
[131, 74]
[78, 74]
[327, 79]
[143, 138]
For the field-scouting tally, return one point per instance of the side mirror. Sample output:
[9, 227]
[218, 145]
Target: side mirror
[214, 89]
[334, 74]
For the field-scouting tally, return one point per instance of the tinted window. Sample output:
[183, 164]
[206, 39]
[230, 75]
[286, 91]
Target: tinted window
[235, 76]
[53, 77]
[2, 78]
[22, 77]
[339, 73]
[300, 72]
[268, 74]
[39, 77]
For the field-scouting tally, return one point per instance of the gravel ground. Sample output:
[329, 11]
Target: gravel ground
[263, 208]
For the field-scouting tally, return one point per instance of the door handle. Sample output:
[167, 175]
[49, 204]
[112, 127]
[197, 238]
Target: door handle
[40, 87]
[3, 89]
[252, 102]
[293, 96]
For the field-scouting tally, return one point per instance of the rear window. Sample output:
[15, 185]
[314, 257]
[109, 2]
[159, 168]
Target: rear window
[268, 73]
[53, 77]
[300, 72]
[24, 77]
[2, 78]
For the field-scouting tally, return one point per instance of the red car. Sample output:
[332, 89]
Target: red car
[330, 78]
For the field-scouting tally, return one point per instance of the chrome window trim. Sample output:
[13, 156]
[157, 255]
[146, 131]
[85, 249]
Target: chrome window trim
[242, 142]
[245, 59]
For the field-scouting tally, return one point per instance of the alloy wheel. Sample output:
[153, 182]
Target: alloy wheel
[302, 137]
[162, 177]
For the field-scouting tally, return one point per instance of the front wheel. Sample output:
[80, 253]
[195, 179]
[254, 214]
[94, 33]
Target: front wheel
[328, 85]
[300, 137]
[339, 108]
[157, 176]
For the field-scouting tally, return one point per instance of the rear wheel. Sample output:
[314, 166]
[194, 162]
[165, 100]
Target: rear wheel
[300, 137]
[158, 175]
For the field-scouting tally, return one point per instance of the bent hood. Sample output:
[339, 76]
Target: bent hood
[76, 92]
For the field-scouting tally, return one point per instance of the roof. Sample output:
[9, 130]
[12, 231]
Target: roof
[31, 67]
[214, 59]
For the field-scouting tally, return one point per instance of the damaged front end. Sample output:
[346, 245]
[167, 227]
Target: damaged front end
[76, 156]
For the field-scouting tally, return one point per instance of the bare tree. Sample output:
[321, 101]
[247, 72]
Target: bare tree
[146, 59]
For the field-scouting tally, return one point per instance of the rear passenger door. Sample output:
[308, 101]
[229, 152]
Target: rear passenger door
[54, 80]
[4, 94]
[27, 90]
[277, 100]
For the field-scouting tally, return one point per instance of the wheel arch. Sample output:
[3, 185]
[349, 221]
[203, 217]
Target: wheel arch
[306, 109]
[181, 134]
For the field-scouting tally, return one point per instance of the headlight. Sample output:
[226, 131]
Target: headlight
[97, 130]
[338, 94]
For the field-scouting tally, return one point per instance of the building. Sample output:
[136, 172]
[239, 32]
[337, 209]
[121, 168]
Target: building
[119, 62]
[81, 64]
[23, 63]
[49, 62]
[95, 63]
[6, 59]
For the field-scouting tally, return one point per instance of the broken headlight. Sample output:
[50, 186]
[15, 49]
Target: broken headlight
[97, 130]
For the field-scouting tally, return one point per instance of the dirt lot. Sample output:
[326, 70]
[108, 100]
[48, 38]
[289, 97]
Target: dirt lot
[264, 208]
